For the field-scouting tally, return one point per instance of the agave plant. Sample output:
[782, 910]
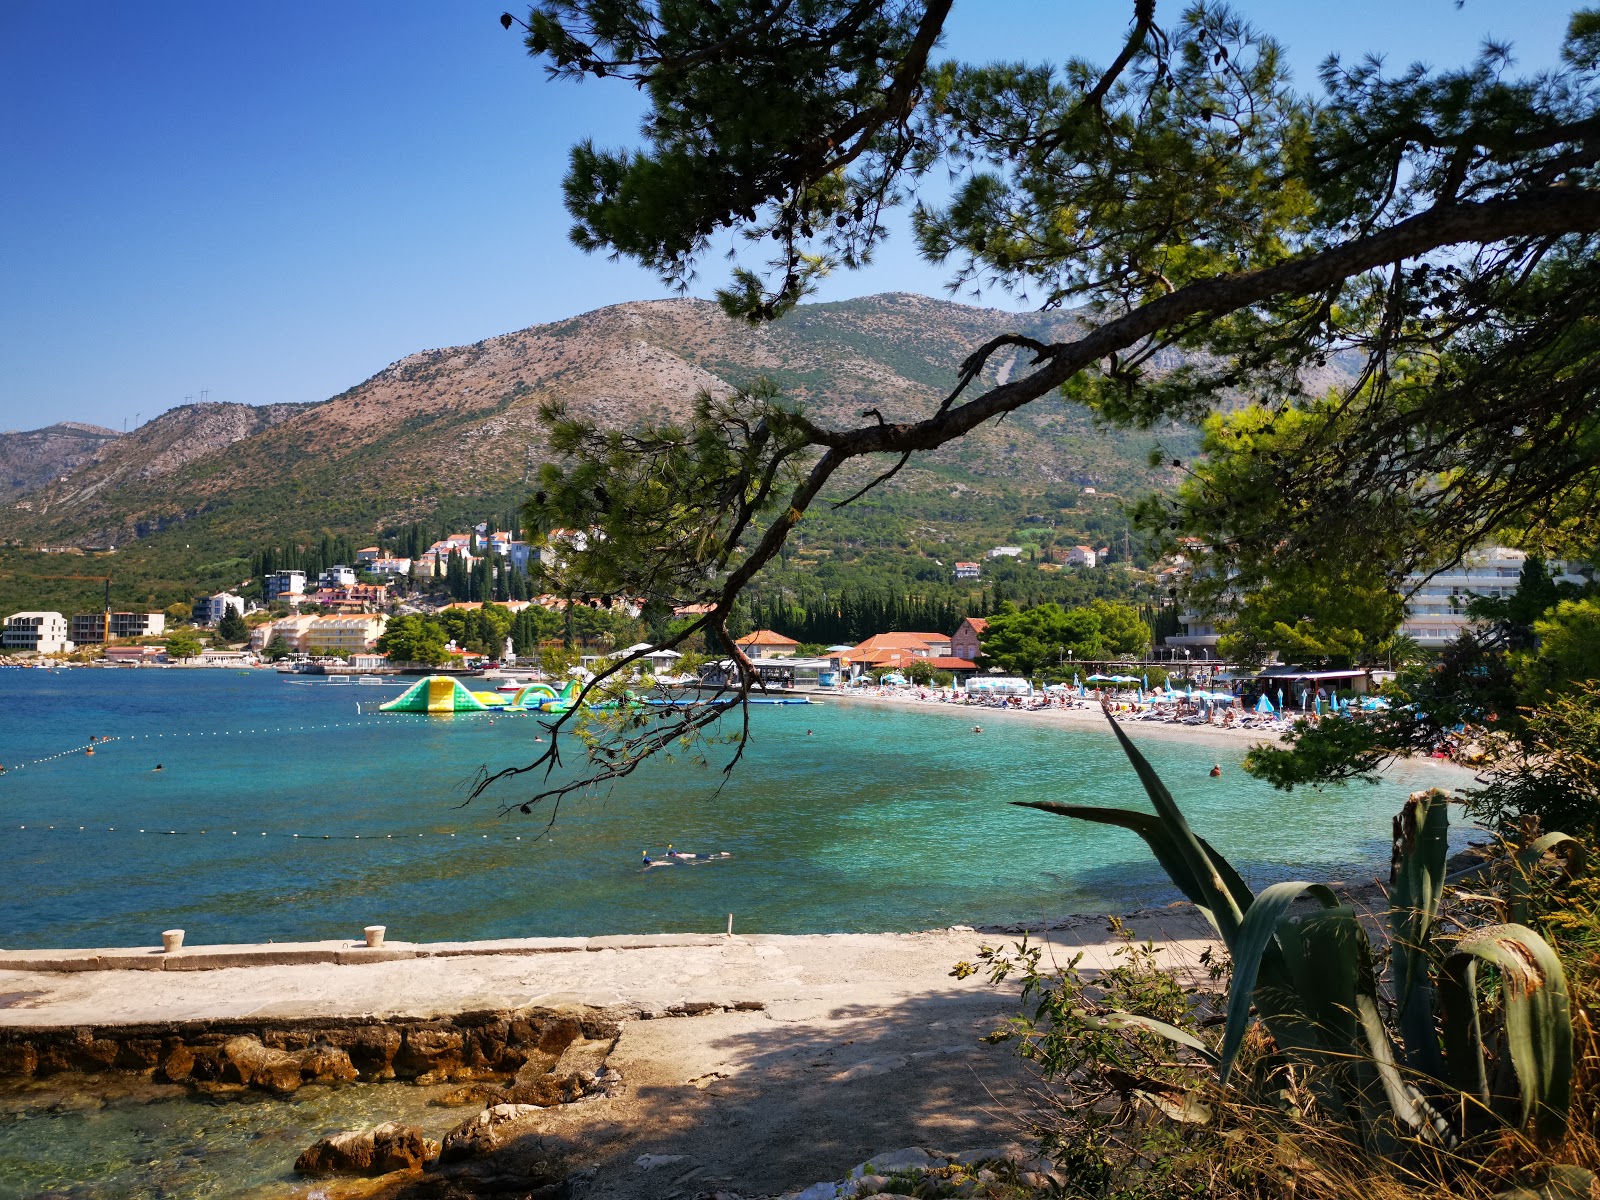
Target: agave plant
[1313, 981]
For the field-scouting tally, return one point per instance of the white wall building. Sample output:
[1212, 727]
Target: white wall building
[208, 610]
[289, 585]
[44, 632]
[1080, 556]
[337, 576]
[1436, 613]
[1006, 552]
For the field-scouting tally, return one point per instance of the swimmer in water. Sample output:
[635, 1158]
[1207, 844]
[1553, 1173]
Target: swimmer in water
[977, 729]
[1216, 770]
[157, 767]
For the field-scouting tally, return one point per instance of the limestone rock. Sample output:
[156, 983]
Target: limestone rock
[486, 1132]
[377, 1151]
[326, 1064]
[894, 1161]
[245, 1060]
[429, 1052]
[480, 1094]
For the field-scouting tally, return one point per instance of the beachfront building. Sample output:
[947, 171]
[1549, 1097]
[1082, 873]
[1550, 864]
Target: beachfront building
[95, 629]
[337, 576]
[135, 655]
[1436, 612]
[208, 610]
[333, 635]
[39, 632]
[764, 643]
[897, 651]
[968, 570]
[966, 641]
[286, 585]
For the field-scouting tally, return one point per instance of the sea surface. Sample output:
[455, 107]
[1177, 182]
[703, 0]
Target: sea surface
[292, 810]
[842, 817]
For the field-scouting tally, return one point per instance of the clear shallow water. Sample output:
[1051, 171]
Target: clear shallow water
[134, 1146]
[880, 819]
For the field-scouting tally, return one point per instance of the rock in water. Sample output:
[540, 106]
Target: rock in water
[376, 1151]
[245, 1060]
[485, 1132]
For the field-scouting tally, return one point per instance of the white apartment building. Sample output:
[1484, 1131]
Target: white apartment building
[290, 585]
[337, 576]
[208, 610]
[1080, 556]
[1436, 612]
[1005, 552]
[338, 634]
[43, 632]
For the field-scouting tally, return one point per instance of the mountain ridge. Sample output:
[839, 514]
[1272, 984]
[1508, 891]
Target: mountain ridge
[452, 433]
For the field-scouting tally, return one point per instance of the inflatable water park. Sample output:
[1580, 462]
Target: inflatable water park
[446, 694]
[443, 694]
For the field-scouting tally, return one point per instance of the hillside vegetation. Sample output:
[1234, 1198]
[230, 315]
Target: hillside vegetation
[449, 435]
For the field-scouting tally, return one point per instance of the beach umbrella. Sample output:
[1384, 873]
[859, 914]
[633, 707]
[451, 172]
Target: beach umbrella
[1147, 679]
[1316, 705]
[1280, 698]
[1075, 682]
[1264, 705]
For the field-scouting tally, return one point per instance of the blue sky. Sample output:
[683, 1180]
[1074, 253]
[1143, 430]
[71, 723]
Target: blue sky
[270, 202]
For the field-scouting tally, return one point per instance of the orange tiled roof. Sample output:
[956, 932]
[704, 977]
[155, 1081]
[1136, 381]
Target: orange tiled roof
[765, 637]
[948, 663]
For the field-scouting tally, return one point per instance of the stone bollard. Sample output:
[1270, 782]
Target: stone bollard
[172, 941]
[374, 936]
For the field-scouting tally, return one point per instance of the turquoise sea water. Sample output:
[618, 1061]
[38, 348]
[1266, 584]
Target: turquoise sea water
[842, 817]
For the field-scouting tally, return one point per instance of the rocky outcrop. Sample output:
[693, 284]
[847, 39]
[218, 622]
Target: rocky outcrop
[280, 1056]
[376, 1151]
[31, 460]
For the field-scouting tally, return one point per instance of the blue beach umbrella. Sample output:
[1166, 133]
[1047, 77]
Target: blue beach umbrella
[1280, 698]
[1147, 679]
[1075, 682]
[1316, 705]
[1264, 705]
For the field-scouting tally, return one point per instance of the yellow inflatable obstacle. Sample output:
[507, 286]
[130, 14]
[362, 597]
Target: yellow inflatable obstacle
[441, 694]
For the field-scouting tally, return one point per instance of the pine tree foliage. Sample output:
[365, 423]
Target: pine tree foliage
[1435, 227]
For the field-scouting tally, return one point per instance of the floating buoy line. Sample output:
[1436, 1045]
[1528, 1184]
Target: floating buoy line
[67, 827]
[365, 718]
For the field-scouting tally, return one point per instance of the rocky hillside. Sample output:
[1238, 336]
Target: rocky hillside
[29, 460]
[448, 431]
[140, 464]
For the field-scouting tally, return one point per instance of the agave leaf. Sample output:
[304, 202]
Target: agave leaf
[1128, 1020]
[1155, 833]
[1538, 1016]
[1186, 1107]
[1257, 933]
[1221, 898]
[1528, 859]
[1422, 845]
[1405, 1101]
[1329, 958]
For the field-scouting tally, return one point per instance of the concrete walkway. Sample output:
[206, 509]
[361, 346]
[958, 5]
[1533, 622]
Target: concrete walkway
[813, 1053]
[650, 974]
